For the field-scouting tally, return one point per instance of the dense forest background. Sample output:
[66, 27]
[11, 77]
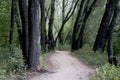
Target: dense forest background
[30, 28]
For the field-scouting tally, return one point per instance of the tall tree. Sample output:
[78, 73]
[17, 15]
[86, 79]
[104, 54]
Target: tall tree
[50, 30]
[84, 12]
[101, 38]
[87, 12]
[111, 56]
[24, 18]
[11, 36]
[34, 35]
[65, 18]
[43, 25]
[76, 26]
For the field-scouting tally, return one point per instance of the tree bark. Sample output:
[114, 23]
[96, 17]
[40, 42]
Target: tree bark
[63, 16]
[111, 56]
[101, 38]
[87, 13]
[24, 18]
[67, 17]
[50, 31]
[11, 36]
[34, 35]
[43, 26]
[77, 26]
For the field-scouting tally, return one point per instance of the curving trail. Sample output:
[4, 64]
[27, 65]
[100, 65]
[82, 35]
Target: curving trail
[65, 67]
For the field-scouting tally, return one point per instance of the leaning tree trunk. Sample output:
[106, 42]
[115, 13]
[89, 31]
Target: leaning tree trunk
[87, 12]
[77, 26]
[11, 36]
[34, 34]
[51, 22]
[84, 16]
[43, 26]
[66, 18]
[63, 16]
[104, 26]
[24, 18]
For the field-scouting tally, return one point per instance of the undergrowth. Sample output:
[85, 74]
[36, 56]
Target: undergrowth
[107, 72]
[43, 59]
[11, 64]
[64, 47]
[104, 71]
[95, 59]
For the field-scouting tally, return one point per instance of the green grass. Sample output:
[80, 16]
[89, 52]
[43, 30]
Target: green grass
[95, 59]
[43, 60]
[104, 71]
[65, 47]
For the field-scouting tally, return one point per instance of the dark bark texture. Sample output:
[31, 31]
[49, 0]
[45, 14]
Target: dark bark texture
[101, 38]
[77, 26]
[11, 36]
[51, 42]
[24, 18]
[87, 13]
[43, 26]
[111, 56]
[84, 12]
[34, 35]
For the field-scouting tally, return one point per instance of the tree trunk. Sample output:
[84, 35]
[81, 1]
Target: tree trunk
[87, 12]
[111, 56]
[24, 18]
[104, 26]
[43, 26]
[66, 18]
[19, 27]
[11, 36]
[63, 16]
[50, 31]
[77, 25]
[34, 35]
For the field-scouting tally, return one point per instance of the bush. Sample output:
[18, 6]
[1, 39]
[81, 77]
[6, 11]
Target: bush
[13, 59]
[116, 46]
[12, 63]
[107, 72]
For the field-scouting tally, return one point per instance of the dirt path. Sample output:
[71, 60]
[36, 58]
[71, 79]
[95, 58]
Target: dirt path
[66, 67]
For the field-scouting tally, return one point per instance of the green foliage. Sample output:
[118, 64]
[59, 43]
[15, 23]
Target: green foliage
[43, 60]
[93, 22]
[12, 64]
[107, 72]
[116, 46]
[13, 58]
[64, 47]
[90, 57]
[4, 21]
[12, 75]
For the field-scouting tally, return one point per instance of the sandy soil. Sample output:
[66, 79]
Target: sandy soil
[63, 66]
